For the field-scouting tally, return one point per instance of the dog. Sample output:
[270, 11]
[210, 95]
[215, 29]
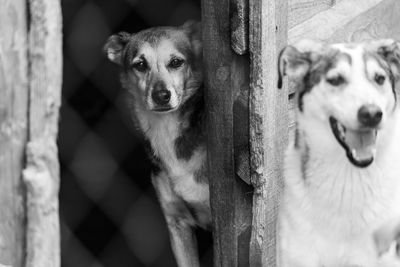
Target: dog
[342, 168]
[161, 68]
[388, 237]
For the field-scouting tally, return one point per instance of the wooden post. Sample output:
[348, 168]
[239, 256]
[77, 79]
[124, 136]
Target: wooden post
[268, 125]
[41, 175]
[225, 75]
[30, 89]
[13, 129]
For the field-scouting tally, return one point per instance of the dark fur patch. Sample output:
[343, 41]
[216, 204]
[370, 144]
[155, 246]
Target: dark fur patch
[296, 137]
[192, 135]
[305, 158]
[191, 209]
[381, 61]
[151, 36]
[128, 55]
[201, 176]
[186, 49]
[183, 211]
[156, 164]
[318, 69]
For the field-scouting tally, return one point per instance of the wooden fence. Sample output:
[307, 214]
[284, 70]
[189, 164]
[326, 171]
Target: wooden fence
[30, 96]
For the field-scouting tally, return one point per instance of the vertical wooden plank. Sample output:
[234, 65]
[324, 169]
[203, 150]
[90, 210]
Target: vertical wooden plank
[240, 26]
[219, 103]
[41, 175]
[225, 75]
[268, 125]
[13, 129]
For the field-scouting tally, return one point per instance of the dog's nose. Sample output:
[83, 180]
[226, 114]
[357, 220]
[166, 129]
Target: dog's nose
[370, 115]
[161, 97]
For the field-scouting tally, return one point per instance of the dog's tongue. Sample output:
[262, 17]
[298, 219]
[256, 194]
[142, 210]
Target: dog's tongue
[361, 144]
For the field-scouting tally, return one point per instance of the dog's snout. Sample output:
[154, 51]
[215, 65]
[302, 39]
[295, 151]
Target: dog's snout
[370, 115]
[160, 94]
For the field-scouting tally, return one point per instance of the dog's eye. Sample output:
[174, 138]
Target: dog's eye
[176, 63]
[140, 66]
[336, 81]
[379, 79]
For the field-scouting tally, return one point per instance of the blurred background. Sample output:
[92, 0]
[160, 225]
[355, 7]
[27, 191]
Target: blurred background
[109, 213]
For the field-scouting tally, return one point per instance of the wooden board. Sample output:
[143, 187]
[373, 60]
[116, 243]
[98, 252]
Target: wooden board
[41, 175]
[268, 125]
[302, 10]
[225, 73]
[13, 129]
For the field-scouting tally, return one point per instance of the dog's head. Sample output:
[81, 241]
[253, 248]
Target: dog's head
[161, 66]
[349, 88]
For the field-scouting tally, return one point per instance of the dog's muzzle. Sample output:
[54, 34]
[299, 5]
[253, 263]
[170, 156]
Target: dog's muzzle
[161, 98]
[360, 145]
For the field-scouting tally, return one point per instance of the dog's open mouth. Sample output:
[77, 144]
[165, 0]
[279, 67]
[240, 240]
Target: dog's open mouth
[164, 109]
[360, 145]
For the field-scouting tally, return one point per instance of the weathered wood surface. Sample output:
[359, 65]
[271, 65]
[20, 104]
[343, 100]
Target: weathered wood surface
[325, 24]
[268, 125]
[41, 175]
[13, 129]
[225, 75]
[240, 26]
[302, 10]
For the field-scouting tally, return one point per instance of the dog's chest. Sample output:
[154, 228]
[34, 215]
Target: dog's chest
[186, 174]
[335, 211]
[348, 201]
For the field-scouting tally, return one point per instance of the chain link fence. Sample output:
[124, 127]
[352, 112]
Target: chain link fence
[109, 213]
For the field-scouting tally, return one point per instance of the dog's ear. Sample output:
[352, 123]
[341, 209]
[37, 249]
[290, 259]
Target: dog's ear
[295, 61]
[115, 46]
[193, 30]
[389, 50]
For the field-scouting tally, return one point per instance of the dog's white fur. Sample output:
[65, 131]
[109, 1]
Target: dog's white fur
[327, 218]
[162, 131]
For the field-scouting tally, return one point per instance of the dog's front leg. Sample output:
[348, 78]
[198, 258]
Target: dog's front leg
[184, 243]
[183, 240]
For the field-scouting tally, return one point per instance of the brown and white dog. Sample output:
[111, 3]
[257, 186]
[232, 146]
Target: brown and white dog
[161, 68]
[342, 170]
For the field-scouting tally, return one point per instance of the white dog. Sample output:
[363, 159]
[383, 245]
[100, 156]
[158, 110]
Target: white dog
[342, 170]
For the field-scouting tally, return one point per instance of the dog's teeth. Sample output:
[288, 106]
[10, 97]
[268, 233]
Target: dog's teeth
[354, 153]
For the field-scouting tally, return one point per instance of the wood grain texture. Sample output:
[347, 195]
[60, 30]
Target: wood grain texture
[13, 129]
[230, 197]
[323, 25]
[41, 175]
[268, 125]
[302, 10]
[380, 21]
[240, 26]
